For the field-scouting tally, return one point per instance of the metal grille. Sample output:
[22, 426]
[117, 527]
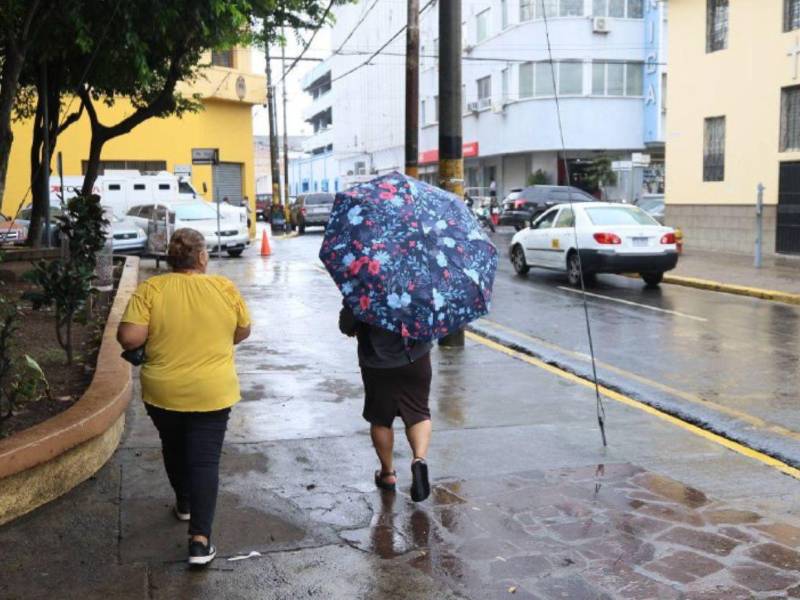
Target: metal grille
[714, 149]
[228, 182]
[790, 119]
[787, 234]
[717, 25]
[143, 166]
[791, 15]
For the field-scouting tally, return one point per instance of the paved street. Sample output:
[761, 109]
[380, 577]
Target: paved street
[527, 503]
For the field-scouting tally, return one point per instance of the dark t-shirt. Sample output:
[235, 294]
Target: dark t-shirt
[379, 348]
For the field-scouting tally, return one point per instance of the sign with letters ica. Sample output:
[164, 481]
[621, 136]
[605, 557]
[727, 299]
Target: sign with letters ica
[205, 156]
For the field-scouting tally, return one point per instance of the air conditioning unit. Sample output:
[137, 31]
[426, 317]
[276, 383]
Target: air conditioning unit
[600, 25]
[473, 106]
[498, 106]
[484, 103]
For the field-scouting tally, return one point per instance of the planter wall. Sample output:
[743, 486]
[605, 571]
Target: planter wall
[42, 463]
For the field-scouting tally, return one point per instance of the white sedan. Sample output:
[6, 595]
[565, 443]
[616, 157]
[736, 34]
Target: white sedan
[599, 237]
[232, 236]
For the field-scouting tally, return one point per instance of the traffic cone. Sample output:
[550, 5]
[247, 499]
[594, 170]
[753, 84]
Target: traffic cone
[265, 249]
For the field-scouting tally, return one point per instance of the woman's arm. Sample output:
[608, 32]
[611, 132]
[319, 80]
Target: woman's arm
[131, 336]
[241, 334]
[347, 322]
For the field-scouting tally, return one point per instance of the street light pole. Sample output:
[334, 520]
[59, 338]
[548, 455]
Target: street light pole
[285, 133]
[451, 162]
[412, 89]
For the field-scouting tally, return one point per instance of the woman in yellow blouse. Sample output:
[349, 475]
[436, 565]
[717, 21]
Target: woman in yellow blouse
[189, 323]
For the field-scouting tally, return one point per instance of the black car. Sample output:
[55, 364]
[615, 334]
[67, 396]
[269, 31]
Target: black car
[521, 206]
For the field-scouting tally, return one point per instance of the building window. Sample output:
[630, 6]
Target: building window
[546, 8]
[143, 166]
[544, 80]
[484, 92]
[716, 25]
[423, 119]
[791, 15]
[436, 109]
[617, 79]
[714, 149]
[504, 85]
[618, 9]
[526, 80]
[570, 78]
[790, 119]
[571, 8]
[222, 58]
[482, 25]
[504, 13]
[525, 10]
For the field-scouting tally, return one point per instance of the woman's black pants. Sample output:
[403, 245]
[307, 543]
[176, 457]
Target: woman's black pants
[192, 443]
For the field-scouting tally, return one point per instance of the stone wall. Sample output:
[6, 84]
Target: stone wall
[728, 228]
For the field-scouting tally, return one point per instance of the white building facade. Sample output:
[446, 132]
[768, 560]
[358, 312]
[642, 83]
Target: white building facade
[603, 53]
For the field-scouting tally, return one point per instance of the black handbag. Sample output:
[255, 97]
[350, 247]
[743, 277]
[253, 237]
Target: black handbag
[135, 357]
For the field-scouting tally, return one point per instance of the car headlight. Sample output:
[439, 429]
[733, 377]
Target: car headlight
[140, 233]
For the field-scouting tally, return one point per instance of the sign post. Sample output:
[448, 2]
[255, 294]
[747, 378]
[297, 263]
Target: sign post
[210, 156]
[759, 224]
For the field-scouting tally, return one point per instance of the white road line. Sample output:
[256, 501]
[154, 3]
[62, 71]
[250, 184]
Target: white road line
[628, 302]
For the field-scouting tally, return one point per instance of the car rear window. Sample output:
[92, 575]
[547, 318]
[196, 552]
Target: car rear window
[195, 212]
[619, 215]
[319, 199]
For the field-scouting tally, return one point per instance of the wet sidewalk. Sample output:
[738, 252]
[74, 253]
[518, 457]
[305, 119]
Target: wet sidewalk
[526, 502]
[778, 273]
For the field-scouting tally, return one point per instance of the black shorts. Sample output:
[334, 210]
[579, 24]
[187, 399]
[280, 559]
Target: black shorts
[398, 392]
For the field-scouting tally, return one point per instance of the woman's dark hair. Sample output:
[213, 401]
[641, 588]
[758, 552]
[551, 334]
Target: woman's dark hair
[185, 248]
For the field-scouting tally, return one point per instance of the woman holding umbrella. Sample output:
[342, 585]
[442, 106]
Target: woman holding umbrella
[413, 265]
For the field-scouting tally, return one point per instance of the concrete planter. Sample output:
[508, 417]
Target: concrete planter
[40, 464]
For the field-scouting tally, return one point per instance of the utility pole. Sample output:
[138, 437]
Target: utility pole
[273, 134]
[451, 162]
[412, 89]
[46, 157]
[285, 133]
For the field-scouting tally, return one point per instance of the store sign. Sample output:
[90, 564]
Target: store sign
[653, 21]
[182, 170]
[205, 156]
[468, 150]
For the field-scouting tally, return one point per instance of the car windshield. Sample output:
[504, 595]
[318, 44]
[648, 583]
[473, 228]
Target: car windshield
[195, 212]
[651, 204]
[619, 215]
[319, 199]
[184, 188]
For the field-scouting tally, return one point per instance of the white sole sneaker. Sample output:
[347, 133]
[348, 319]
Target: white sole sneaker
[205, 558]
[181, 516]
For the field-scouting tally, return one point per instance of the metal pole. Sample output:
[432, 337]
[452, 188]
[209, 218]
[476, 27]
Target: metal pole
[46, 156]
[285, 132]
[759, 224]
[219, 226]
[60, 166]
[412, 90]
[451, 162]
[273, 132]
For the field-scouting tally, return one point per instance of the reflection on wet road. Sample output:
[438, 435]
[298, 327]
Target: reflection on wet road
[706, 353]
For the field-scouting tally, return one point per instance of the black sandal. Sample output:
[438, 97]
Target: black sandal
[420, 487]
[381, 484]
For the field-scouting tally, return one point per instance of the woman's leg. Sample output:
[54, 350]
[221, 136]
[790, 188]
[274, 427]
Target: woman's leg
[206, 432]
[171, 426]
[419, 438]
[383, 442]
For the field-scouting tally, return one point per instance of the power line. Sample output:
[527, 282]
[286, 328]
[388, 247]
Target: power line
[355, 27]
[308, 43]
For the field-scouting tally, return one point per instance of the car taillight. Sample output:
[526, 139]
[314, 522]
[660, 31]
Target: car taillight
[518, 204]
[607, 238]
[668, 238]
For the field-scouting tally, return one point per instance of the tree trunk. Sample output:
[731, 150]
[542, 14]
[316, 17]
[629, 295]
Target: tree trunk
[9, 84]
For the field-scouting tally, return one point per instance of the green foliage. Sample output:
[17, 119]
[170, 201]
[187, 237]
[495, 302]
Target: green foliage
[66, 283]
[599, 174]
[538, 178]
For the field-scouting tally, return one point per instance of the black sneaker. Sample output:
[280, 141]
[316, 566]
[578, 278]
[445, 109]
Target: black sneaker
[200, 554]
[420, 486]
[181, 511]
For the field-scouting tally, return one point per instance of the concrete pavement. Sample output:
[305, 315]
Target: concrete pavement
[527, 502]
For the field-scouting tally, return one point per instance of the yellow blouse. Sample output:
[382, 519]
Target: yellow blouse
[191, 319]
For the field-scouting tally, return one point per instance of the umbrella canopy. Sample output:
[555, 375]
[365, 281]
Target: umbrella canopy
[409, 257]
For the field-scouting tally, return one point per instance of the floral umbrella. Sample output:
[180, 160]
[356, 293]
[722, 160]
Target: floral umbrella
[409, 257]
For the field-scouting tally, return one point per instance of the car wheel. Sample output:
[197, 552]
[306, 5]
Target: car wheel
[517, 227]
[574, 272]
[518, 260]
[235, 253]
[652, 279]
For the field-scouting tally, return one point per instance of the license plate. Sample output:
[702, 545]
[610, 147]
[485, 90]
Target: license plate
[640, 242]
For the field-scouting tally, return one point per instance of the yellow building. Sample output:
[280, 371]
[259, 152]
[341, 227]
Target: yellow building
[734, 122]
[228, 90]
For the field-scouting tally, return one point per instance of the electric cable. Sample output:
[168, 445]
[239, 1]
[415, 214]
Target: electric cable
[600, 409]
[356, 26]
[308, 43]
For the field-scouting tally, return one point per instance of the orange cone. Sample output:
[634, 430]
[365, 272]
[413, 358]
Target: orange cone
[265, 249]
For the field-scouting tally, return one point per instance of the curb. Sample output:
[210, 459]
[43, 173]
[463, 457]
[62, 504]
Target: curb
[41, 463]
[738, 290]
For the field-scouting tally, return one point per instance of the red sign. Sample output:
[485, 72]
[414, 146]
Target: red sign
[468, 150]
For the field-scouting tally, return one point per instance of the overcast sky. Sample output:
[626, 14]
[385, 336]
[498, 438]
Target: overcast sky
[296, 99]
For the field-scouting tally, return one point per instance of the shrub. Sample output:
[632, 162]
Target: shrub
[66, 283]
[538, 178]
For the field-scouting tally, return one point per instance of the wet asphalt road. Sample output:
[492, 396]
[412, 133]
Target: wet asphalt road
[728, 362]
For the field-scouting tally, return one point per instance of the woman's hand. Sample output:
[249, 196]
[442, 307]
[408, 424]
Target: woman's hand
[241, 334]
[131, 336]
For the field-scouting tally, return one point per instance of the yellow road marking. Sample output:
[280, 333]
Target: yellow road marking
[622, 399]
[689, 397]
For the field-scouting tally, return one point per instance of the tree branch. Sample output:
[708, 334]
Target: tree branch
[71, 119]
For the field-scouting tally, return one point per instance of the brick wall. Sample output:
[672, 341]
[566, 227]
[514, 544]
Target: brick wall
[729, 228]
